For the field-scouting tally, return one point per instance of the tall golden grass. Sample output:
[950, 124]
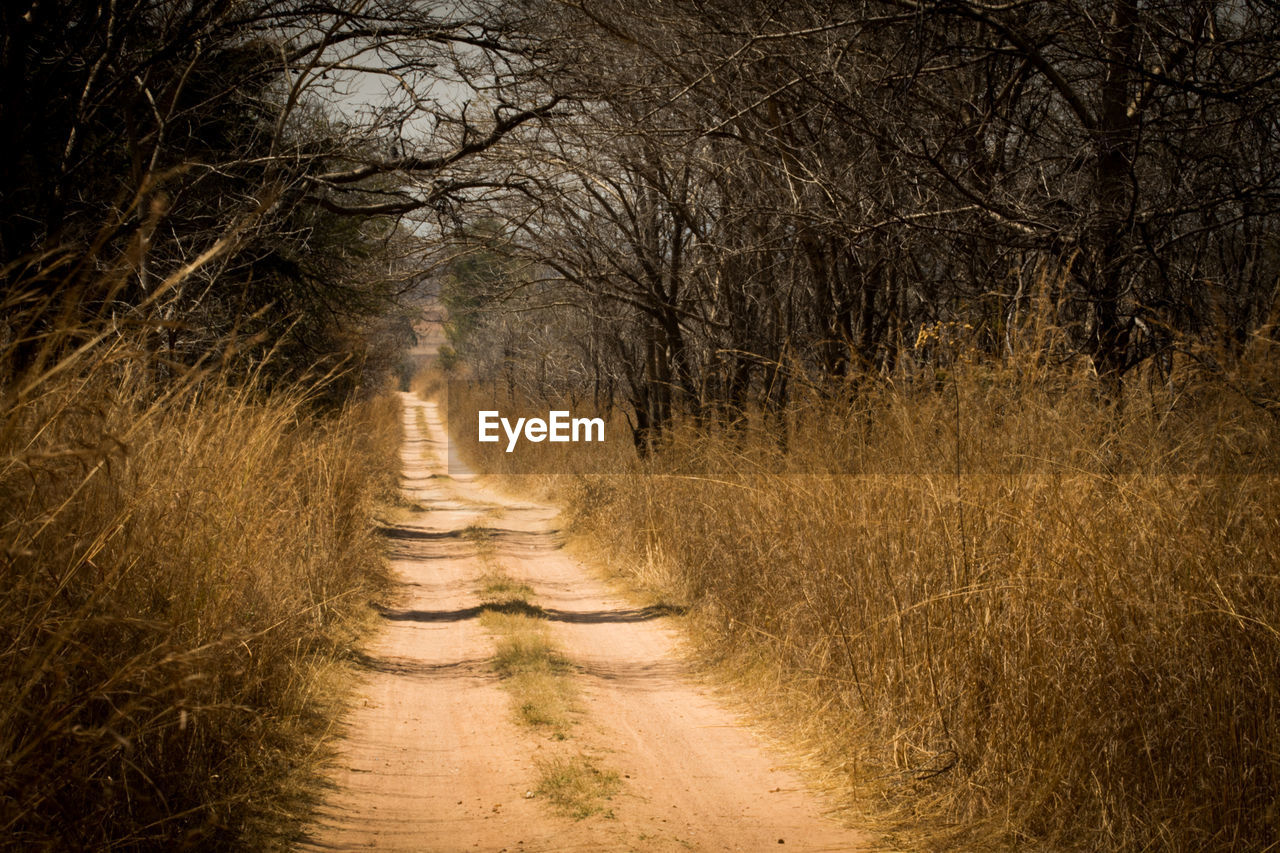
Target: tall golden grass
[181, 562]
[1007, 608]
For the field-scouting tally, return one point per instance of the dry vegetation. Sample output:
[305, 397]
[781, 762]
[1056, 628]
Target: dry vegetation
[184, 558]
[1030, 594]
[537, 676]
[532, 669]
[1014, 610]
[576, 786]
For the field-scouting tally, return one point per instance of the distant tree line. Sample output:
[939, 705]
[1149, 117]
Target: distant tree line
[743, 194]
[686, 206]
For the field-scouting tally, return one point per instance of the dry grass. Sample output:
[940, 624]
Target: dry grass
[539, 680]
[1072, 640]
[182, 560]
[498, 591]
[576, 786]
[1013, 611]
[533, 670]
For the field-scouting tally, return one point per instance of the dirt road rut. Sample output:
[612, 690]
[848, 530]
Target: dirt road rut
[433, 759]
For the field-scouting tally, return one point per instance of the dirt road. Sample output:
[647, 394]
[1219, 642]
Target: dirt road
[433, 758]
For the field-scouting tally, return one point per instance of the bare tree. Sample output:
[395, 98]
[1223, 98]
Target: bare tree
[228, 141]
[810, 187]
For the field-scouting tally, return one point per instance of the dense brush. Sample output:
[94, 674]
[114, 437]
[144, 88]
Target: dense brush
[1012, 605]
[180, 559]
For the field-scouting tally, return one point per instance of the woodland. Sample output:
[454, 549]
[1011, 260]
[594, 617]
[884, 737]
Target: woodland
[1012, 265]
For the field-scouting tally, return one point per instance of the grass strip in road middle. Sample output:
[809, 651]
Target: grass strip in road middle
[537, 676]
[532, 669]
[534, 672]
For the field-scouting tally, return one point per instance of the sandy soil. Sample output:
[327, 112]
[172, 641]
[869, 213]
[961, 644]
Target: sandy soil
[433, 760]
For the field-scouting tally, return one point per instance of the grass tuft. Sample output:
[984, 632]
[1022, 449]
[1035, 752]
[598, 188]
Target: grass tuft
[497, 588]
[576, 787]
[533, 670]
